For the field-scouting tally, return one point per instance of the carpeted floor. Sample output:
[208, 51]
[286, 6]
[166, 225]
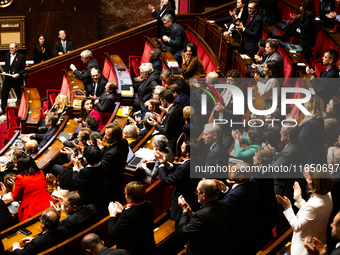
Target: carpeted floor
[3, 133]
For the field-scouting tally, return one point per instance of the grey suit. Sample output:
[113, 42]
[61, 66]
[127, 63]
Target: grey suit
[275, 56]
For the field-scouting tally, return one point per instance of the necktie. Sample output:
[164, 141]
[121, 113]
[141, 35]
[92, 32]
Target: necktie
[64, 47]
[93, 87]
[249, 20]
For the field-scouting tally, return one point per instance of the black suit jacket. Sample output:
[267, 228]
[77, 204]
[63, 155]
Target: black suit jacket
[108, 251]
[80, 220]
[253, 33]
[146, 90]
[115, 155]
[44, 138]
[42, 243]
[100, 87]
[178, 38]
[18, 66]
[295, 153]
[229, 19]
[6, 219]
[143, 132]
[207, 230]
[326, 87]
[241, 201]
[218, 155]
[58, 47]
[134, 229]
[182, 100]
[157, 64]
[184, 185]
[173, 123]
[106, 103]
[85, 75]
[161, 29]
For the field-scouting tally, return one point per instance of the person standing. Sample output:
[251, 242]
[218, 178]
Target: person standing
[14, 72]
[62, 46]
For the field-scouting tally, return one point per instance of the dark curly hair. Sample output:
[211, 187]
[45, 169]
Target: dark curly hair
[65, 179]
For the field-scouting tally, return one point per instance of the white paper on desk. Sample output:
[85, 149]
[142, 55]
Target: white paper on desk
[125, 111]
[316, 18]
[172, 64]
[244, 56]
[292, 51]
[145, 154]
[301, 64]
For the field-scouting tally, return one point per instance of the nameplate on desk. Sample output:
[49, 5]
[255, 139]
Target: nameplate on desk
[172, 64]
[301, 64]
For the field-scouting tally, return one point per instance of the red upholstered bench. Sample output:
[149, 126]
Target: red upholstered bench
[136, 61]
[204, 51]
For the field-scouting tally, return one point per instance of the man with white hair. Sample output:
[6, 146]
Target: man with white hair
[145, 88]
[218, 154]
[87, 58]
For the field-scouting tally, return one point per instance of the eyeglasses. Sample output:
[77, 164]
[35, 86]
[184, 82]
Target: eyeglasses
[198, 192]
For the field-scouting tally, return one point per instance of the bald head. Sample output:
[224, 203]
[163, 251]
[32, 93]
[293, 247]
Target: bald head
[209, 188]
[32, 147]
[212, 78]
[92, 243]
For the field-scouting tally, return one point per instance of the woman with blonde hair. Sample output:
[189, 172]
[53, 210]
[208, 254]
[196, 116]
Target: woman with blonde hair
[312, 218]
[312, 129]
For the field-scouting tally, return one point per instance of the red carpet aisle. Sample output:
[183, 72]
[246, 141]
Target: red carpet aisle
[3, 133]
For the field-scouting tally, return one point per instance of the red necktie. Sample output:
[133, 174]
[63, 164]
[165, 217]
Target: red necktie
[249, 20]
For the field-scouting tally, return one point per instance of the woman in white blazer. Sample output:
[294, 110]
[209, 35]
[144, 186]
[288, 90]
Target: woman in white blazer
[312, 218]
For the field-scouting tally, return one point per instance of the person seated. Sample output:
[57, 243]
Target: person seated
[51, 121]
[7, 187]
[177, 40]
[134, 228]
[265, 88]
[159, 143]
[63, 185]
[261, 54]
[51, 235]
[97, 86]
[91, 123]
[151, 106]
[41, 51]
[181, 99]
[62, 46]
[89, 180]
[332, 122]
[92, 244]
[168, 78]
[106, 102]
[87, 109]
[30, 188]
[79, 216]
[31, 147]
[191, 63]
[94, 136]
[255, 138]
[155, 59]
[168, 8]
[145, 85]
[146, 126]
[130, 133]
[6, 219]
[272, 54]
[336, 13]
[85, 76]
[191, 129]
[60, 107]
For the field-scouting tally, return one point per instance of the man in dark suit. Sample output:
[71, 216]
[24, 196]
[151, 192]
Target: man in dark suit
[51, 121]
[62, 46]
[106, 102]
[179, 176]
[6, 219]
[79, 216]
[252, 31]
[114, 159]
[271, 55]
[207, 229]
[155, 59]
[178, 39]
[240, 198]
[14, 71]
[50, 236]
[318, 248]
[294, 154]
[173, 122]
[181, 99]
[85, 76]
[97, 86]
[325, 87]
[145, 84]
[92, 244]
[218, 154]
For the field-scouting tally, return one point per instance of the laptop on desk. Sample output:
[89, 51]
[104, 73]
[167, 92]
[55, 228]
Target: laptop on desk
[134, 160]
[291, 46]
